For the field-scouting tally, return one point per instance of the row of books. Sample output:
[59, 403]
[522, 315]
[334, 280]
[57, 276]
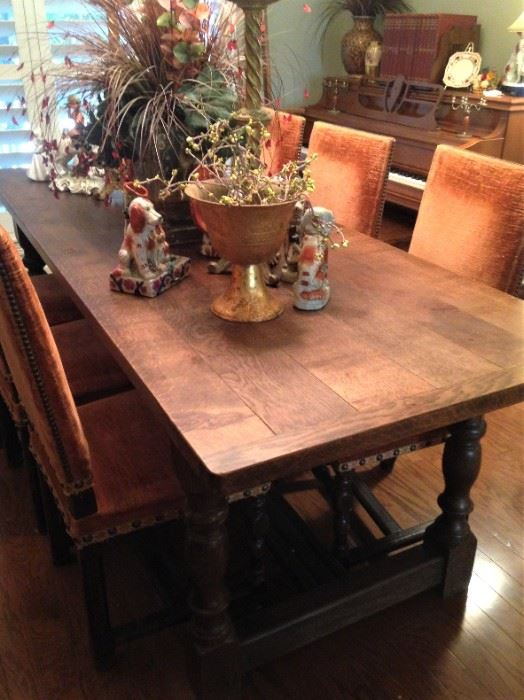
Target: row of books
[412, 41]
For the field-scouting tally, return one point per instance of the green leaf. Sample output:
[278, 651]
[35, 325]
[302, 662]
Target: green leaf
[190, 4]
[164, 20]
[197, 50]
[181, 52]
[195, 121]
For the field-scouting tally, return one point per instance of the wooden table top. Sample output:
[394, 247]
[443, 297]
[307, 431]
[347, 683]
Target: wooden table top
[403, 347]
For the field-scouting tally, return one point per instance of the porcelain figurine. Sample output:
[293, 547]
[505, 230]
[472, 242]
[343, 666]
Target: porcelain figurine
[71, 160]
[145, 266]
[288, 263]
[311, 290]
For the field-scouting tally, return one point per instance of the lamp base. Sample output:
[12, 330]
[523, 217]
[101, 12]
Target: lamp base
[513, 89]
[247, 298]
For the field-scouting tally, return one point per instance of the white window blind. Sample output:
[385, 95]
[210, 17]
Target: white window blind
[32, 33]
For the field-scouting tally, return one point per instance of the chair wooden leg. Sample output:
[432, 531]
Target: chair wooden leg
[34, 484]
[59, 541]
[9, 439]
[259, 522]
[342, 508]
[98, 620]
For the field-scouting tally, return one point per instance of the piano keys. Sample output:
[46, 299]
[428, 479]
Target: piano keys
[420, 117]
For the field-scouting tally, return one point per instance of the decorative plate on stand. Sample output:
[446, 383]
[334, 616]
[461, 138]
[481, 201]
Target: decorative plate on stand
[462, 69]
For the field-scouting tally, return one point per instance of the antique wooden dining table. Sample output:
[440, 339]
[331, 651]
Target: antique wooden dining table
[402, 349]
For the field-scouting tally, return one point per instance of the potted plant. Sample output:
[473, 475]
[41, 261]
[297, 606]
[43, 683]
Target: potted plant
[362, 33]
[158, 72]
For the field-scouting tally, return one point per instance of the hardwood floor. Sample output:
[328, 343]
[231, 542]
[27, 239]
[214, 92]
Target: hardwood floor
[423, 649]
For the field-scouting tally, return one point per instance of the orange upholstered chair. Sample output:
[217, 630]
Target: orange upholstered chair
[107, 472]
[56, 302]
[471, 218]
[350, 174]
[90, 369]
[286, 132]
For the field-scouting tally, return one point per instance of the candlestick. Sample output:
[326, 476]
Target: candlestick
[465, 105]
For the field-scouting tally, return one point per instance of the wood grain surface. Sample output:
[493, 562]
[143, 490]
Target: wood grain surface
[402, 347]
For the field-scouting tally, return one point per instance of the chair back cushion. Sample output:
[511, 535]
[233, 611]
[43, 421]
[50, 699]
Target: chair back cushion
[37, 372]
[471, 218]
[350, 174]
[286, 132]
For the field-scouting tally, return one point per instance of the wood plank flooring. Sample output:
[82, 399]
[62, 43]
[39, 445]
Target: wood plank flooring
[424, 649]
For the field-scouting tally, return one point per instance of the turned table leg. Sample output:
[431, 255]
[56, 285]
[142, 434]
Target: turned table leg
[214, 641]
[451, 532]
[32, 259]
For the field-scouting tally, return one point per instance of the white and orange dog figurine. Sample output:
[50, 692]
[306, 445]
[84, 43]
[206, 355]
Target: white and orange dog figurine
[143, 252]
[145, 266]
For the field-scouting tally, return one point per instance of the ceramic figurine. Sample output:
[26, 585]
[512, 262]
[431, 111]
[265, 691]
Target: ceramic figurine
[145, 266]
[70, 163]
[311, 290]
[288, 264]
[372, 59]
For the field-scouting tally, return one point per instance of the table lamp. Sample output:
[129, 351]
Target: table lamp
[513, 83]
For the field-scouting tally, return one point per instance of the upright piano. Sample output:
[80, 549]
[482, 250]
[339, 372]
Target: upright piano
[420, 116]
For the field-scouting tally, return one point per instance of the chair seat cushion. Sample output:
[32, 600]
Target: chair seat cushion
[133, 469]
[91, 371]
[56, 302]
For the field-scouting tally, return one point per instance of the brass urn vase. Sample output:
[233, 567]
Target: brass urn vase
[246, 235]
[355, 43]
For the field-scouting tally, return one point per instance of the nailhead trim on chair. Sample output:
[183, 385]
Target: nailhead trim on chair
[71, 487]
[102, 535]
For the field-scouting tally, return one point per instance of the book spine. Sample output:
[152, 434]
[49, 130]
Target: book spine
[411, 36]
[431, 46]
[411, 42]
[417, 44]
[389, 60]
[403, 38]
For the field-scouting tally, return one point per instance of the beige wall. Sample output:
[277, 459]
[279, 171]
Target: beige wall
[301, 59]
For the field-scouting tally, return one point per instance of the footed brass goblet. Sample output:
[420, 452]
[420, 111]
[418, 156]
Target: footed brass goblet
[246, 235]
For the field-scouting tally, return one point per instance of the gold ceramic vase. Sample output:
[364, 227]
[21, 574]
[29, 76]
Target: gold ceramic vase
[355, 43]
[246, 235]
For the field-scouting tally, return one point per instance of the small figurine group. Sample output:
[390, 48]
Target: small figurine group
[145, 266]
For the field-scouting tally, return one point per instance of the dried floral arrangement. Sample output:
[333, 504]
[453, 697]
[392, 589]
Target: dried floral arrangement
[162, 70]
[371, 8]
[230, 155]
